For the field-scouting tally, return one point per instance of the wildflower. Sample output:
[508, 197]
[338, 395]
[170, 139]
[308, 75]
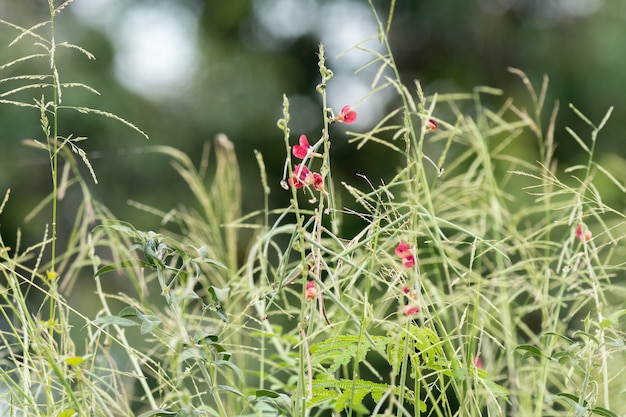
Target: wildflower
[51, 275]
[311, 291]
[478, 362]
[409, 293]
[403, 250]
[301, 176]
[410, 310]
[431, 125]
[301, 151]
[346, 115]
[408, 262]
[318, 182]
[586, 236]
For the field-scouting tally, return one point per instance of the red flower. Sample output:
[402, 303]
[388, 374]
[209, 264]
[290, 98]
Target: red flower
[408, 292]
[403, 250]
[301, 151]
[410, 310]
[408, 262]
[585, 237]
[301, 176]
[431, 125]
[478, 362]
[346, 115]
[318, 182]
[311, 291]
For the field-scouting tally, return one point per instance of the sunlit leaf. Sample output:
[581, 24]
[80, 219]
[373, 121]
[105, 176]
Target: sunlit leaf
[74, 360]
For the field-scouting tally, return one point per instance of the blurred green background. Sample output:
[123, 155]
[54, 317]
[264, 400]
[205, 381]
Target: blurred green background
[184, 70]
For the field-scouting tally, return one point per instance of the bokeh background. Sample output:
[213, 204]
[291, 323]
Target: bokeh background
[184, 70]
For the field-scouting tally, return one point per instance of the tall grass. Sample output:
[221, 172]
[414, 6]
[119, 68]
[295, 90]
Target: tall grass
[485, 279]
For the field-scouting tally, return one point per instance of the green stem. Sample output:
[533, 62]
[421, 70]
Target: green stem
[55, 131]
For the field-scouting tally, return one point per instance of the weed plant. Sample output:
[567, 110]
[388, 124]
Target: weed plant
[486, 280]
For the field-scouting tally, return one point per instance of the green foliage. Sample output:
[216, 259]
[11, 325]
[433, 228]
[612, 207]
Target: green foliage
[343, 349]
[482, 265]
[349, 393]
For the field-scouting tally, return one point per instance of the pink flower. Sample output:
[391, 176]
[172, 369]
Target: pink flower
[409, 293]
[403, 250]
[318, 182]
[301, 151]
[431, 125]
[410, 310]
[585, 237]
[311, 291]
[346, 115]
[478, 362]
[301, 176]
[408, 262]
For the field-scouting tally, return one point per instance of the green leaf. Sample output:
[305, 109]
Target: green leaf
[211, 340]
[68, 413]
[114, 267]
[158, 413]
[605, 323]
[592, 337]
[567, 339]
[422, 406]
[266, 393]
[120, 226]
[614, 318]
[205, 337]
[603, 412]
[149, 323]
[573, 401]
[74, 360]
[202, 258]
[118, 321]
[228, 364]
[128, 312]
[341, 350]
[530, 351]
[495, 389]
[192, 353]
[233, 390]
[220, 294]
[350, 393]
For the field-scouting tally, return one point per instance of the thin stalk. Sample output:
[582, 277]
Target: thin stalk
[55, 132]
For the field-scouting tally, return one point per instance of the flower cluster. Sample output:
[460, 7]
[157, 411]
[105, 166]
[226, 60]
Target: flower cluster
[301, 175]
[404, 251]
[411, 307]
[584, 236]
